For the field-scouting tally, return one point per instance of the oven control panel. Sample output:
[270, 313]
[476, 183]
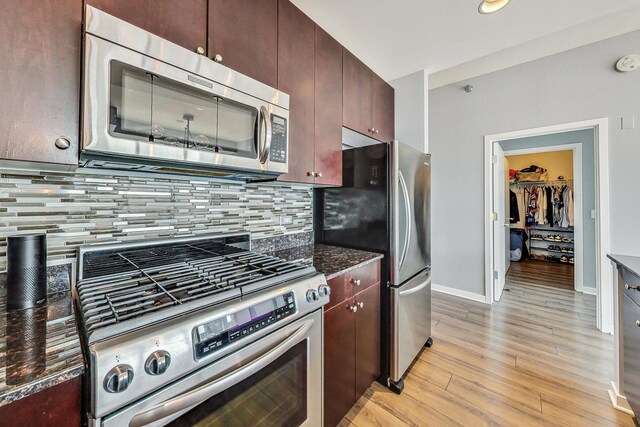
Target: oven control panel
[278, 151]
[212, 336]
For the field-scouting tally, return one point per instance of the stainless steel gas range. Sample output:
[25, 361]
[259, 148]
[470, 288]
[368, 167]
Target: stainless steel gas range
[200, 331]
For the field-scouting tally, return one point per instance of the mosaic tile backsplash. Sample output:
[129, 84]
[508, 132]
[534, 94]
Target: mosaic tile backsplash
[80, 208]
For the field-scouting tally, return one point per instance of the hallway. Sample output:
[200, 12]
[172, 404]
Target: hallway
[535, 358]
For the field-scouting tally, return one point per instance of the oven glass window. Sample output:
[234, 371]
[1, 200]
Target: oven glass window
[146, 107]
[276, 396]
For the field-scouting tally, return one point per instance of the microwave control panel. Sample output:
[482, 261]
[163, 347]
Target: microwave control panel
[212, 336]
[278, 151]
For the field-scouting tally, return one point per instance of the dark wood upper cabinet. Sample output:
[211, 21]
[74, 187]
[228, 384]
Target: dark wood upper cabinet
[296, 41]
[245, 34]
[368, 101]
[357, 89]
[40, 79]
[383, 110]
[339, 362]
[328, 109]
[367, 338]
[182, 22]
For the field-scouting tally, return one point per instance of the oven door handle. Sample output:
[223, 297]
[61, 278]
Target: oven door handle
[268, 135]
[202, 393]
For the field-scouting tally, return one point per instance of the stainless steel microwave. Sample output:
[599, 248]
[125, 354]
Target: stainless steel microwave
[149, 104]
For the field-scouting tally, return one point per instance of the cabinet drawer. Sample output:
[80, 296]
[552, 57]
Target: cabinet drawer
[361, 278]
[631, 279]
[347, 285]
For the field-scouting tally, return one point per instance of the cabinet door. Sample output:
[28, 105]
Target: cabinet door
[296, 39]
[181, 22]
[367, 338]
[357, 98]
[328, 109]
[339, 362]
[59, 405]
[383, 110]
[245, 34]
[40, 85]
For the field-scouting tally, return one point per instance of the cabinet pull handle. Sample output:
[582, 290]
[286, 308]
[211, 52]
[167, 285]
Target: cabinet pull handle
[634, 287]
[638, 323]
[355, 282]
[360, 304]
[319, 174]
[62, 143]
[377, 131]
[200, 50]
[217, 58]
[311, 173]
[352, 308]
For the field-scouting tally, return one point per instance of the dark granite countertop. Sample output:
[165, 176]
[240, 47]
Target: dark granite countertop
[39, 347]
[631, 263]
[332, 261]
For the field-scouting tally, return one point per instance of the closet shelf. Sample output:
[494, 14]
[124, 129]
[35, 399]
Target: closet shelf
[555, 252]
[552, 241]
[555, 230]
[550, 181]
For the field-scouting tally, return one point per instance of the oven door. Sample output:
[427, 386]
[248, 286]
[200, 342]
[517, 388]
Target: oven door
[275, 381]
[138, 107]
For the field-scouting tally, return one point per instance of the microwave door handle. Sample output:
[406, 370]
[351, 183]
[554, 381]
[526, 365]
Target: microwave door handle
[268, 134]
[204, 392]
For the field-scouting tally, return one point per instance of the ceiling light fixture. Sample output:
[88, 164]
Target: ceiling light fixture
[490, 6]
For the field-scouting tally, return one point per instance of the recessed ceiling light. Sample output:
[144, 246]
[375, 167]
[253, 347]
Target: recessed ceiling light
[490, 6]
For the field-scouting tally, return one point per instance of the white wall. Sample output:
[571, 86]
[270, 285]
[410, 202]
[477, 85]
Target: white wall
[575, 85]
[412, 110]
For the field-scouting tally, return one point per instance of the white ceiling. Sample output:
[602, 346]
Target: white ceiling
[399, 37]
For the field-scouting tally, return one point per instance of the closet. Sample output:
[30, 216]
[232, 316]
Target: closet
[545, 209]
[541, 211]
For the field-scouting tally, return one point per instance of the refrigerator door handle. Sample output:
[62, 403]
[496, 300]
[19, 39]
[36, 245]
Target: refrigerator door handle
[416, 289]
[407, 205]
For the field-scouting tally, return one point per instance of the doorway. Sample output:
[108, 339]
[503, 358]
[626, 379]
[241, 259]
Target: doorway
[590, 228]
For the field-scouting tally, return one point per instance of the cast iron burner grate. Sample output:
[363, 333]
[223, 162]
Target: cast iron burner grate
[127, 289]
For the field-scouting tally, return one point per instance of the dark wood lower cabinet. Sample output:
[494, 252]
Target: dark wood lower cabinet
[351, 346]
[367, 338]
[57, 406]
[339, 362]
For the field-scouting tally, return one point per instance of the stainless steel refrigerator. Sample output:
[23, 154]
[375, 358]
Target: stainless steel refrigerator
[384, 206]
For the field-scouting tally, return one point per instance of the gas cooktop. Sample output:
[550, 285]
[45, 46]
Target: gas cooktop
[125, 287]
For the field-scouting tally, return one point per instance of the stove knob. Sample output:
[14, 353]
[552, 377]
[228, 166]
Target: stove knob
[312, 295]
[118, 379]
[324, 290]
[157, 363]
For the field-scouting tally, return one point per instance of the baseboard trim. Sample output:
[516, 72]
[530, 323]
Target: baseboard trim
[459, 293]
[619, 402]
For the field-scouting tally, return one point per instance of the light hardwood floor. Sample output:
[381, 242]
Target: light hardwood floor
[534, 359]
[553, 274]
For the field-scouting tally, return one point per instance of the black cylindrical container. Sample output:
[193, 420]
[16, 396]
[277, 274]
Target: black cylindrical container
[26, 271]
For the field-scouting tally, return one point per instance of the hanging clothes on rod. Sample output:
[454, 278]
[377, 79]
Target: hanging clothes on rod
[547, 203]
